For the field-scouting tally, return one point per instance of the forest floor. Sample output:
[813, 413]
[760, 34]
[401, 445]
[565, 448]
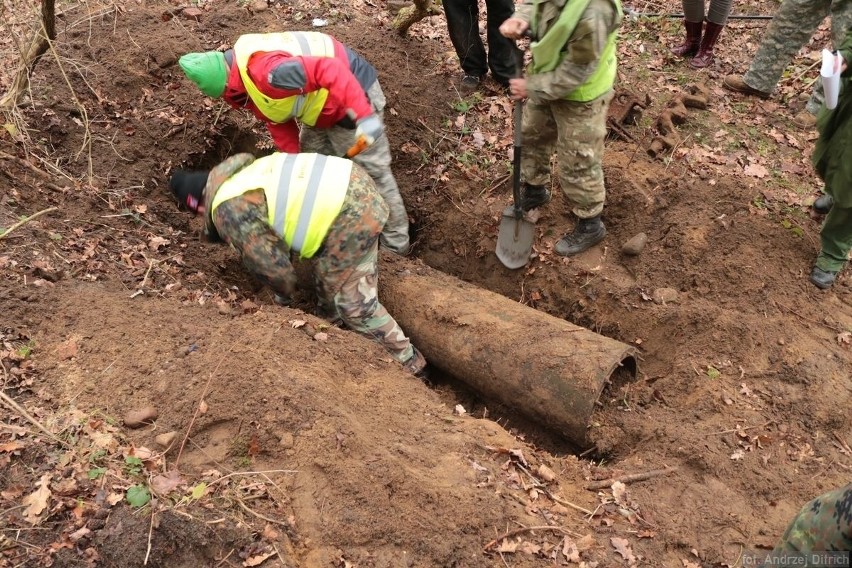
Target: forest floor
[274, 445]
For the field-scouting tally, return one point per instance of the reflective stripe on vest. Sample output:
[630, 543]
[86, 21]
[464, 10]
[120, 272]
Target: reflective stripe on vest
[306, 107]
[304, 195]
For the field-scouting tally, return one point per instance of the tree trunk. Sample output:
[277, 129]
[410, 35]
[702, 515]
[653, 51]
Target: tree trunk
[38, 44]
[410, 15]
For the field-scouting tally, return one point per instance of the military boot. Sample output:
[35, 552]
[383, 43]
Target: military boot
[823, 279]
[533, 196]
[587, 233]
[823, 204]
[416, 364]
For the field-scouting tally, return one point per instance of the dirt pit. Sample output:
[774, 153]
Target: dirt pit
[293, 449]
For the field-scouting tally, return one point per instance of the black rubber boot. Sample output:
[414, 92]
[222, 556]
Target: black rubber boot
[533, 196]
[823, 204]
[587, 233]
[822, 279]
[416, 364]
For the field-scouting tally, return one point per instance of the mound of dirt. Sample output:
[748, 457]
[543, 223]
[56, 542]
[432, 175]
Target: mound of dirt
[318, 450]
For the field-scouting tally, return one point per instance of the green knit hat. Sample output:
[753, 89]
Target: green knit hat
[207, 70]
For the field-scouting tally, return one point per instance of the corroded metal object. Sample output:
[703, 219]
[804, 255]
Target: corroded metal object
[549, 370]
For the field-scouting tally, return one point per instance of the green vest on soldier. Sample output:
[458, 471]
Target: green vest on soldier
[549, 52]
[304, 195]
[306, 107]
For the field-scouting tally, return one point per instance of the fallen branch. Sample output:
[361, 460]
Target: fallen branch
[546, 490]
[25, 221]
[38, 45]
[522, 530]
[15, 406]
[732, 430]
[631, 478]
[259, 516]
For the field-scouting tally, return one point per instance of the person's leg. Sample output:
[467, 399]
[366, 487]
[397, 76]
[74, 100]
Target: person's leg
[463, 27]
[836, 240]
[579, 152]
[841, 23]
[501, 50]
[793, 25]
[377, 161]
[348, 269]
[717, 15]
[316, 140]
[693, 23]
[538, 137]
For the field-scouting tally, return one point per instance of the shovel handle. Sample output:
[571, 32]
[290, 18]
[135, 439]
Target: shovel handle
[517, 114]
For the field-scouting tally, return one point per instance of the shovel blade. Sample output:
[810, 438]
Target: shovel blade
[514, 240]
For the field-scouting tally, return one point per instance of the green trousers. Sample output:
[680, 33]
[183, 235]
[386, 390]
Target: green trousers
[836, 237]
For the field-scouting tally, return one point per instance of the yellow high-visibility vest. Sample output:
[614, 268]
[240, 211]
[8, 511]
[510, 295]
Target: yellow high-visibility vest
[304, 195]
[306, 107]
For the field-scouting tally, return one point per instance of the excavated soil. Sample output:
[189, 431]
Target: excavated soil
[744, 369]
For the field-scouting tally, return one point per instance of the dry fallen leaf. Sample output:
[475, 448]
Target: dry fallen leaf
[756, 170]
[619, 492]
[154, 243]
[36, 502]
[165, 484]
[297, 323]
[586, 543]
[737, 455]
[529, 548]
[13, 446]
[622, 547]
[257, 560]
[321, 336]
[570, 550]
[507, 546]
[844, 338]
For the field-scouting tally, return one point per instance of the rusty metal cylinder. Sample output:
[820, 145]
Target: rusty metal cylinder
[547, 369]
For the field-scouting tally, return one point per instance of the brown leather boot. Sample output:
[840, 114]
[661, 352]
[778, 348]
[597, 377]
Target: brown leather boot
[690, 44]
[737, 84]
[704, 57]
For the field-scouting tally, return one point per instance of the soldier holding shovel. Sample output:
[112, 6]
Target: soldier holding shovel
[568, 90]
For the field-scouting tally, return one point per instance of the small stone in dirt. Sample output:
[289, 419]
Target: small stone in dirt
[781, 341]
[224, 308]
[664, 296]
[286, 440]
[192, 14]
[141, 417]
[259, 6]
[635, 245]
[165, 440]
[545, 473]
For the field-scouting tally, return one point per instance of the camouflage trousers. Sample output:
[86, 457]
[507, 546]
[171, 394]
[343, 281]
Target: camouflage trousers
[823, 525]
[794, 26]
[376, 159]
[576, 131]
[346, 269]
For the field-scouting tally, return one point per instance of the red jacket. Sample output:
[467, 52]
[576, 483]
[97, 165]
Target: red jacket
[332, 73]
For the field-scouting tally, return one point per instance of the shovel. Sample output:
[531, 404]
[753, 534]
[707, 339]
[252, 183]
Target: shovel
[516, 234]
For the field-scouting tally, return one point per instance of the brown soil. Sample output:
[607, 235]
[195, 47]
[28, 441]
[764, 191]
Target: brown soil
[743, 378]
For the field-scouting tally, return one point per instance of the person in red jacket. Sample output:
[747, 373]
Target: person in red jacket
[311, 77]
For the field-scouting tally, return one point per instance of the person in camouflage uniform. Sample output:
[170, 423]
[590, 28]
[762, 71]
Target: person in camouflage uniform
[322, 207]
[793, 26]
[823, 526]
[568, 90]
